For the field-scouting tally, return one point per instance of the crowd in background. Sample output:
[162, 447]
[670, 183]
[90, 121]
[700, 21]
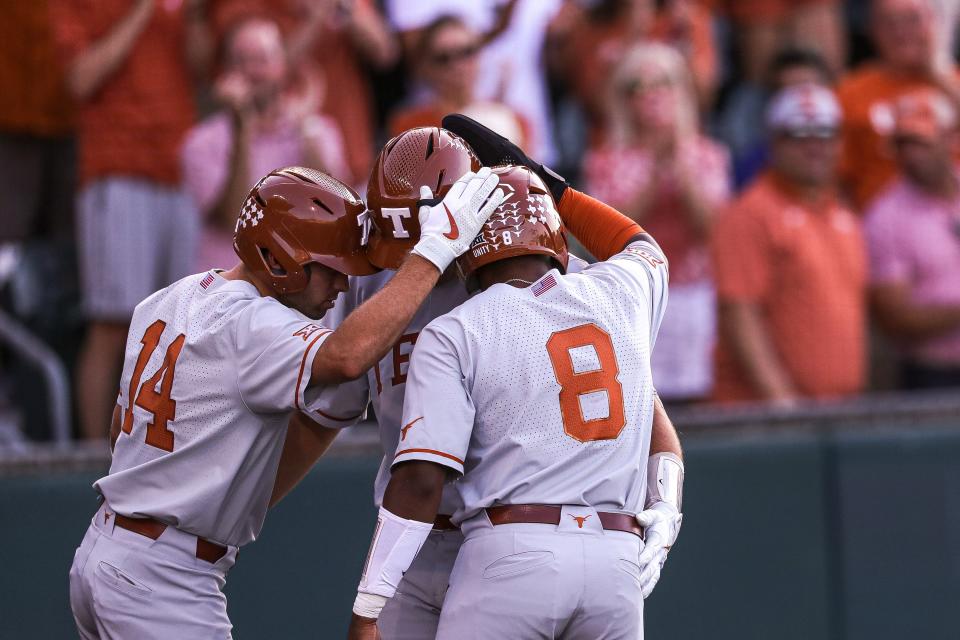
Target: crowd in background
[796, 160]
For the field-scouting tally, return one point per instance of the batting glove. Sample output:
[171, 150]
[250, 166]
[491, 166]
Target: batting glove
[493, 149]
[661, 526]
[447, 229]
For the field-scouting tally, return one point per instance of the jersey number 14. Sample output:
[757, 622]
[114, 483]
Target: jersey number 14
[160, 404]
[575, 384]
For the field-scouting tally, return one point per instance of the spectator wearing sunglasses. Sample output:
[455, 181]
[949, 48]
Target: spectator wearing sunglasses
[913, 236]
[657, 168]
[790, 267]
[447, 63]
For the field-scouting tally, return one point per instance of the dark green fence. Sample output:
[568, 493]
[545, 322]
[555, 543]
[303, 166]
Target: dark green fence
[836, 524]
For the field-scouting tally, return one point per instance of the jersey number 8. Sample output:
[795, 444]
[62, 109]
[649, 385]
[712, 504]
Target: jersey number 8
[573, 385]
[160, 404]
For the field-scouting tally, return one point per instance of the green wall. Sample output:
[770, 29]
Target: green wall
[802, 533]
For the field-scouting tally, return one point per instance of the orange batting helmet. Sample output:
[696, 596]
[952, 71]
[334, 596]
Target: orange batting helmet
[423, 156]
[526, 223]
[301, 215]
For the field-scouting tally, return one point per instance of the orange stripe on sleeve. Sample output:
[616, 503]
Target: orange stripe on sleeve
[433, 451]
[303, 363]
[603, 230]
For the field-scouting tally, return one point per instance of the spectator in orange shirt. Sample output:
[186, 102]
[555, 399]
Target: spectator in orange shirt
[904, 35]
[658, 169]
[447, 62]
[128, 68]
[790, 267]
[37, 158]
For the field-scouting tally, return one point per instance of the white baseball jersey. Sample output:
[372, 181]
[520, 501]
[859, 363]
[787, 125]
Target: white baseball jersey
[212, 373]
[543, 395]
[384, 385]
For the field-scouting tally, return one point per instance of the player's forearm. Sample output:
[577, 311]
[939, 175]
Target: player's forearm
[664, 437]
[603, 230]
[305, 443]
[414, 490]
[370, 331]
[754, 349]
[93, 66]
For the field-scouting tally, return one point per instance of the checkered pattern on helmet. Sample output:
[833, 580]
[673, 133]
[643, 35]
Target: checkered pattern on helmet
[404, 160]
[250, 215]
[328, 183]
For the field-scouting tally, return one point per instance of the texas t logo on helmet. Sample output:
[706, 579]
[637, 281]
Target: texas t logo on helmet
[425, 156]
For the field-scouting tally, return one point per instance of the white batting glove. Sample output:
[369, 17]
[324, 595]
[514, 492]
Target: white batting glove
[448, 228]
[661, 525]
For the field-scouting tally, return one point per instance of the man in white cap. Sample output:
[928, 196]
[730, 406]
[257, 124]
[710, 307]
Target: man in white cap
[790, 267]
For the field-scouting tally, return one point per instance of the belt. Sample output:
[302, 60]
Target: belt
[442, 523]
[206, 550]
[550, 514]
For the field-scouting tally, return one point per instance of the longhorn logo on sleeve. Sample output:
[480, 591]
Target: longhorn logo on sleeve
[403, 431]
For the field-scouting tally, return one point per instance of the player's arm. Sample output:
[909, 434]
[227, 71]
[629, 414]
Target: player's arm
[438, 418]
[661, 515]
[447, 229]
[603, 230]
[305, 443]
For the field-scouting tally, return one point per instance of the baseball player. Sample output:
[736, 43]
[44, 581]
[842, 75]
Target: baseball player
[538, 393]
[215, 366]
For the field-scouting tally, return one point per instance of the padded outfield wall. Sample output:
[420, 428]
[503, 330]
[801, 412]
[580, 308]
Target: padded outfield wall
[840, 523]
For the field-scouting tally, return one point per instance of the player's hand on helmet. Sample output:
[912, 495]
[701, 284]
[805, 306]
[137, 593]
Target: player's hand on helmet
[493, 149]
[363, 628]
[661, 525]
[447, 228]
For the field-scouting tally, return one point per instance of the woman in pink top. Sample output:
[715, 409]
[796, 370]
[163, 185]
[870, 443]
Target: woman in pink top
[263, 126]
[657, 168]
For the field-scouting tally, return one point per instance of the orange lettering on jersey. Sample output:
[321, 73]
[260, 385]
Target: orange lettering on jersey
[306, 331]
[653, 260]
[400, 358]
[580, 520]
[403, 431]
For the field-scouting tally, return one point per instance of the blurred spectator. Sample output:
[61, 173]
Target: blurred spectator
[333, 41]
[511, 35]
[659, 170]
[913, 235]
[260, 129]
[790, 267]
[764, 26]
[37, 159]
[591, 41]
[448, 62]
[127, 67]
[904, 35]
[741, 123]
[687, 26]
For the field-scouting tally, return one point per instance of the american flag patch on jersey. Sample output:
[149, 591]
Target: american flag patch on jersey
[541, 287]
[207, 281]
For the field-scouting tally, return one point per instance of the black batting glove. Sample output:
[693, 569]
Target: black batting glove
[493, 149]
